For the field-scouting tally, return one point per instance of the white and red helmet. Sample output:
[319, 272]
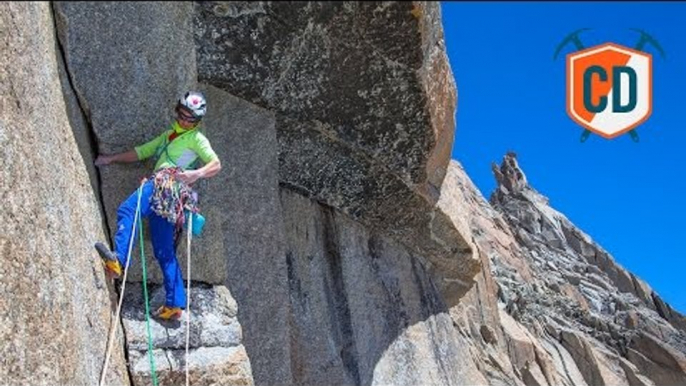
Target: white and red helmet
[193, 102]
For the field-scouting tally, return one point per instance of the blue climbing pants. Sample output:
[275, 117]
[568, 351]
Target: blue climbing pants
[162, 234]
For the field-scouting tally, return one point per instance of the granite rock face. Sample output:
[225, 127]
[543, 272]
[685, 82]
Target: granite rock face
[375, 74]
[355, 251]
[112, 50]
[243, 239]
[216, 355]
[341, 174]
[128, 63]
[54, 301]
[562, 311]
[363, 310]
[375, 149]
[364, 100]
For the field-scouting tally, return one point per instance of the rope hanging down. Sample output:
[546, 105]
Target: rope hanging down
[114, 321]
[188, 292]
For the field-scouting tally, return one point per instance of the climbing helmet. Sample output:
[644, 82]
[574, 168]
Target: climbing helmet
[192, 103]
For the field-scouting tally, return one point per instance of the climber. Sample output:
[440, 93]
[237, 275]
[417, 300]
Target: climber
[165, 197]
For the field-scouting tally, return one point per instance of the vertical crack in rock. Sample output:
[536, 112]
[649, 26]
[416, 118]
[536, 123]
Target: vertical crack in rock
[564, 364]
[169, 362]
[396, 312]
[90, 133]
[294, 284]
[342, 320]
[436, 344]
[126, 348]
[431, 303]
[93, 147]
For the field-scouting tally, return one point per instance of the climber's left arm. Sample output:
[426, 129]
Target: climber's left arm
[209, 170]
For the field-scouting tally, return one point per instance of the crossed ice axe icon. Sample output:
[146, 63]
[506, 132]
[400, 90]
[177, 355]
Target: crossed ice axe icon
[642, 41]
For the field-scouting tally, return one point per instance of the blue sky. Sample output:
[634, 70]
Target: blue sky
[629, 197]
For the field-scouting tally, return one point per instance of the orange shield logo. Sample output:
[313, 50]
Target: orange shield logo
[609, 88]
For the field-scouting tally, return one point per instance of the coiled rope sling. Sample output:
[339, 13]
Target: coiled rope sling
[166, 196]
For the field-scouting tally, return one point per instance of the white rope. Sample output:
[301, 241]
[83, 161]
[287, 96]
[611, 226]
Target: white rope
[121, 295]
[188, 292]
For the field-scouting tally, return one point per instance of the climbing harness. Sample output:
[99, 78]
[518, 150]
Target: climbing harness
[139, 221]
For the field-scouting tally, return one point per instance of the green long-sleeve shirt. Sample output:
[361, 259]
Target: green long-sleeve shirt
[181, 152]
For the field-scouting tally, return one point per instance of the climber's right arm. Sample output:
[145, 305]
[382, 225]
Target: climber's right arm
[138, 153]
[129, 156]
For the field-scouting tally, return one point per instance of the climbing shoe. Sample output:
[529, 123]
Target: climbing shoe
[168, 313]
[112, 266]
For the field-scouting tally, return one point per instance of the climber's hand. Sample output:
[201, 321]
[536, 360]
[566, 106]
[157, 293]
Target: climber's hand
[189, 176]
[103, 160]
